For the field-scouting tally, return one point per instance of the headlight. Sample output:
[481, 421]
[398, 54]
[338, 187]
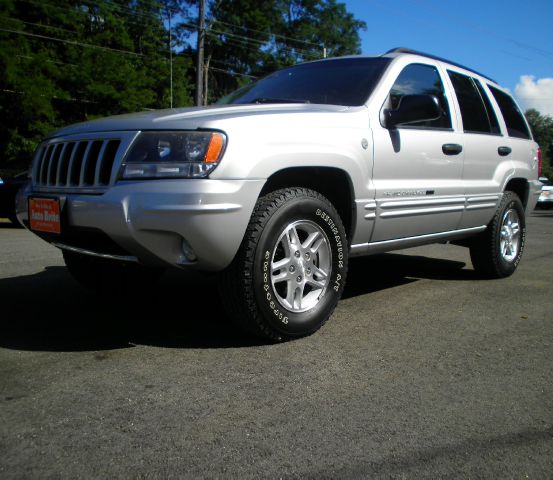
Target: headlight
[174, 155]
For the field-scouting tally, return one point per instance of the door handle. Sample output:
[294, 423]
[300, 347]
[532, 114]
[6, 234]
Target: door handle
[452, 148]
[504, 151]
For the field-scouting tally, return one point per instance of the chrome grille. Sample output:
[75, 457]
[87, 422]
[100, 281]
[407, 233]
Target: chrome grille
[80, 163]
[84, 163]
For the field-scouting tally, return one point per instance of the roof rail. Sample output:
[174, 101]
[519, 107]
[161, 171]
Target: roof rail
[434, 57]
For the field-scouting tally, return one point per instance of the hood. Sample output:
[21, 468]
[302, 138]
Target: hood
[190, 118]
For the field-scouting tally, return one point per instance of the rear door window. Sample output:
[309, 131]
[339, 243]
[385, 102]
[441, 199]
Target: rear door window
[516, 125]
[476, 111]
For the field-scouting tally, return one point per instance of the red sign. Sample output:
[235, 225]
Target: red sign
[44, 215]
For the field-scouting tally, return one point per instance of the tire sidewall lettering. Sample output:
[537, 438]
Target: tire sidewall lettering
[299, 209]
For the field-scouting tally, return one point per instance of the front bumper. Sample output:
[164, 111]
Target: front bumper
[150, 220]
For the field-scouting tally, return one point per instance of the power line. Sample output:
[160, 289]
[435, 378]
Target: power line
[31, 57]
[234, 74]
[228, 64]
[234, 35]
[259, 42]
[244, 43]
[69, 31]
[129, 18]
[50, 27]
[268, 33]
[54, 97]
[71, 42]
[41, 25]
[221, 62]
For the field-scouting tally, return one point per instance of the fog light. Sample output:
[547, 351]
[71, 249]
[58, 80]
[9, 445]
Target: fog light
[188, 251]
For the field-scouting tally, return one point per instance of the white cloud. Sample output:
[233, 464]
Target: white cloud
[537, 94]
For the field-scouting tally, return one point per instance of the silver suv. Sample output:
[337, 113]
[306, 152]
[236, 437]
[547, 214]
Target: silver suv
[278, 184]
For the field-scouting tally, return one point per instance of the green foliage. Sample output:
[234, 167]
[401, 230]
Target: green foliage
[65, 61]
[542, 128]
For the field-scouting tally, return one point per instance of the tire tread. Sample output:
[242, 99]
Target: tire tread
[484, 249]
[238, 296]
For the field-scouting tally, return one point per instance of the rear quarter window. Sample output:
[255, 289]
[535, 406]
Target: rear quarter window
[516, 125]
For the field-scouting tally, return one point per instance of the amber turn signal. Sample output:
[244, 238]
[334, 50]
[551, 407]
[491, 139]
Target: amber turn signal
[215, 148]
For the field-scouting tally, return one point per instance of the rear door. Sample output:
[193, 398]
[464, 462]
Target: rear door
[487, 151]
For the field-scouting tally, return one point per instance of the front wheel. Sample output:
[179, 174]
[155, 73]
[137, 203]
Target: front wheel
[496, 252]
[291, 268]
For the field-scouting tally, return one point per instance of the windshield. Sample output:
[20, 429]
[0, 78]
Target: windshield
[341, 81]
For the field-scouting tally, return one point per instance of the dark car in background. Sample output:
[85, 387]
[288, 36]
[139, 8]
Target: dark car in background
[8, 189]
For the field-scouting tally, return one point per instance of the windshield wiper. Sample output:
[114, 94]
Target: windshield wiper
[278, 100]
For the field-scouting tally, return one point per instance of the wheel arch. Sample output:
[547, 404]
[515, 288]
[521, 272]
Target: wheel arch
[334, 183]
[520, 187]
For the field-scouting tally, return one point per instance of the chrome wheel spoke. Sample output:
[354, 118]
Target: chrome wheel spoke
[319, 273]
[281, 277]
[310, 241]
[320, 284]
[507, 249]
[293, 239]
[294, 295]
[279, 265]
[301, 257]
[317, 244]
[509, 236]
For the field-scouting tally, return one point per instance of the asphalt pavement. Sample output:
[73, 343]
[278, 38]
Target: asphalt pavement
[424, 371]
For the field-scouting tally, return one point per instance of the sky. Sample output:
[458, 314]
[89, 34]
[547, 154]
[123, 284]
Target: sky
[507, 40]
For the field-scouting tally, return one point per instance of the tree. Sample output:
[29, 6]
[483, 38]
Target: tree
[246, 39]
[306, 28]
[542, 128]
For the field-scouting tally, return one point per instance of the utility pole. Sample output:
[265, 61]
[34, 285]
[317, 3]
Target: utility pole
[200, 61]
[171, 56]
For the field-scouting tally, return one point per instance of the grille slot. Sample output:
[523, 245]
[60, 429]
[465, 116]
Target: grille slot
[87, 172]
[63, 165]
[107, 164]
[76, 164]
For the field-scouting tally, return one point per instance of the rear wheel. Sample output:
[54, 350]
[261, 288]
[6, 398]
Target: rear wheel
[290, 271]
[497, 251]
[110, 276]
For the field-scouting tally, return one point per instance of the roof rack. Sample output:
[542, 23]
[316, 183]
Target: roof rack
[434, 57]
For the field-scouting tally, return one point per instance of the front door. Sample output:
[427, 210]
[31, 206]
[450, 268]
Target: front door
[418, 168]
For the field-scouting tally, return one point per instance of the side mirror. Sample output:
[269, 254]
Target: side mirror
[413, 109]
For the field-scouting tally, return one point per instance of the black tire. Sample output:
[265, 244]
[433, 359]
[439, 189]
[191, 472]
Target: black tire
[110, 277]
[259, 306]
[488, 257]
